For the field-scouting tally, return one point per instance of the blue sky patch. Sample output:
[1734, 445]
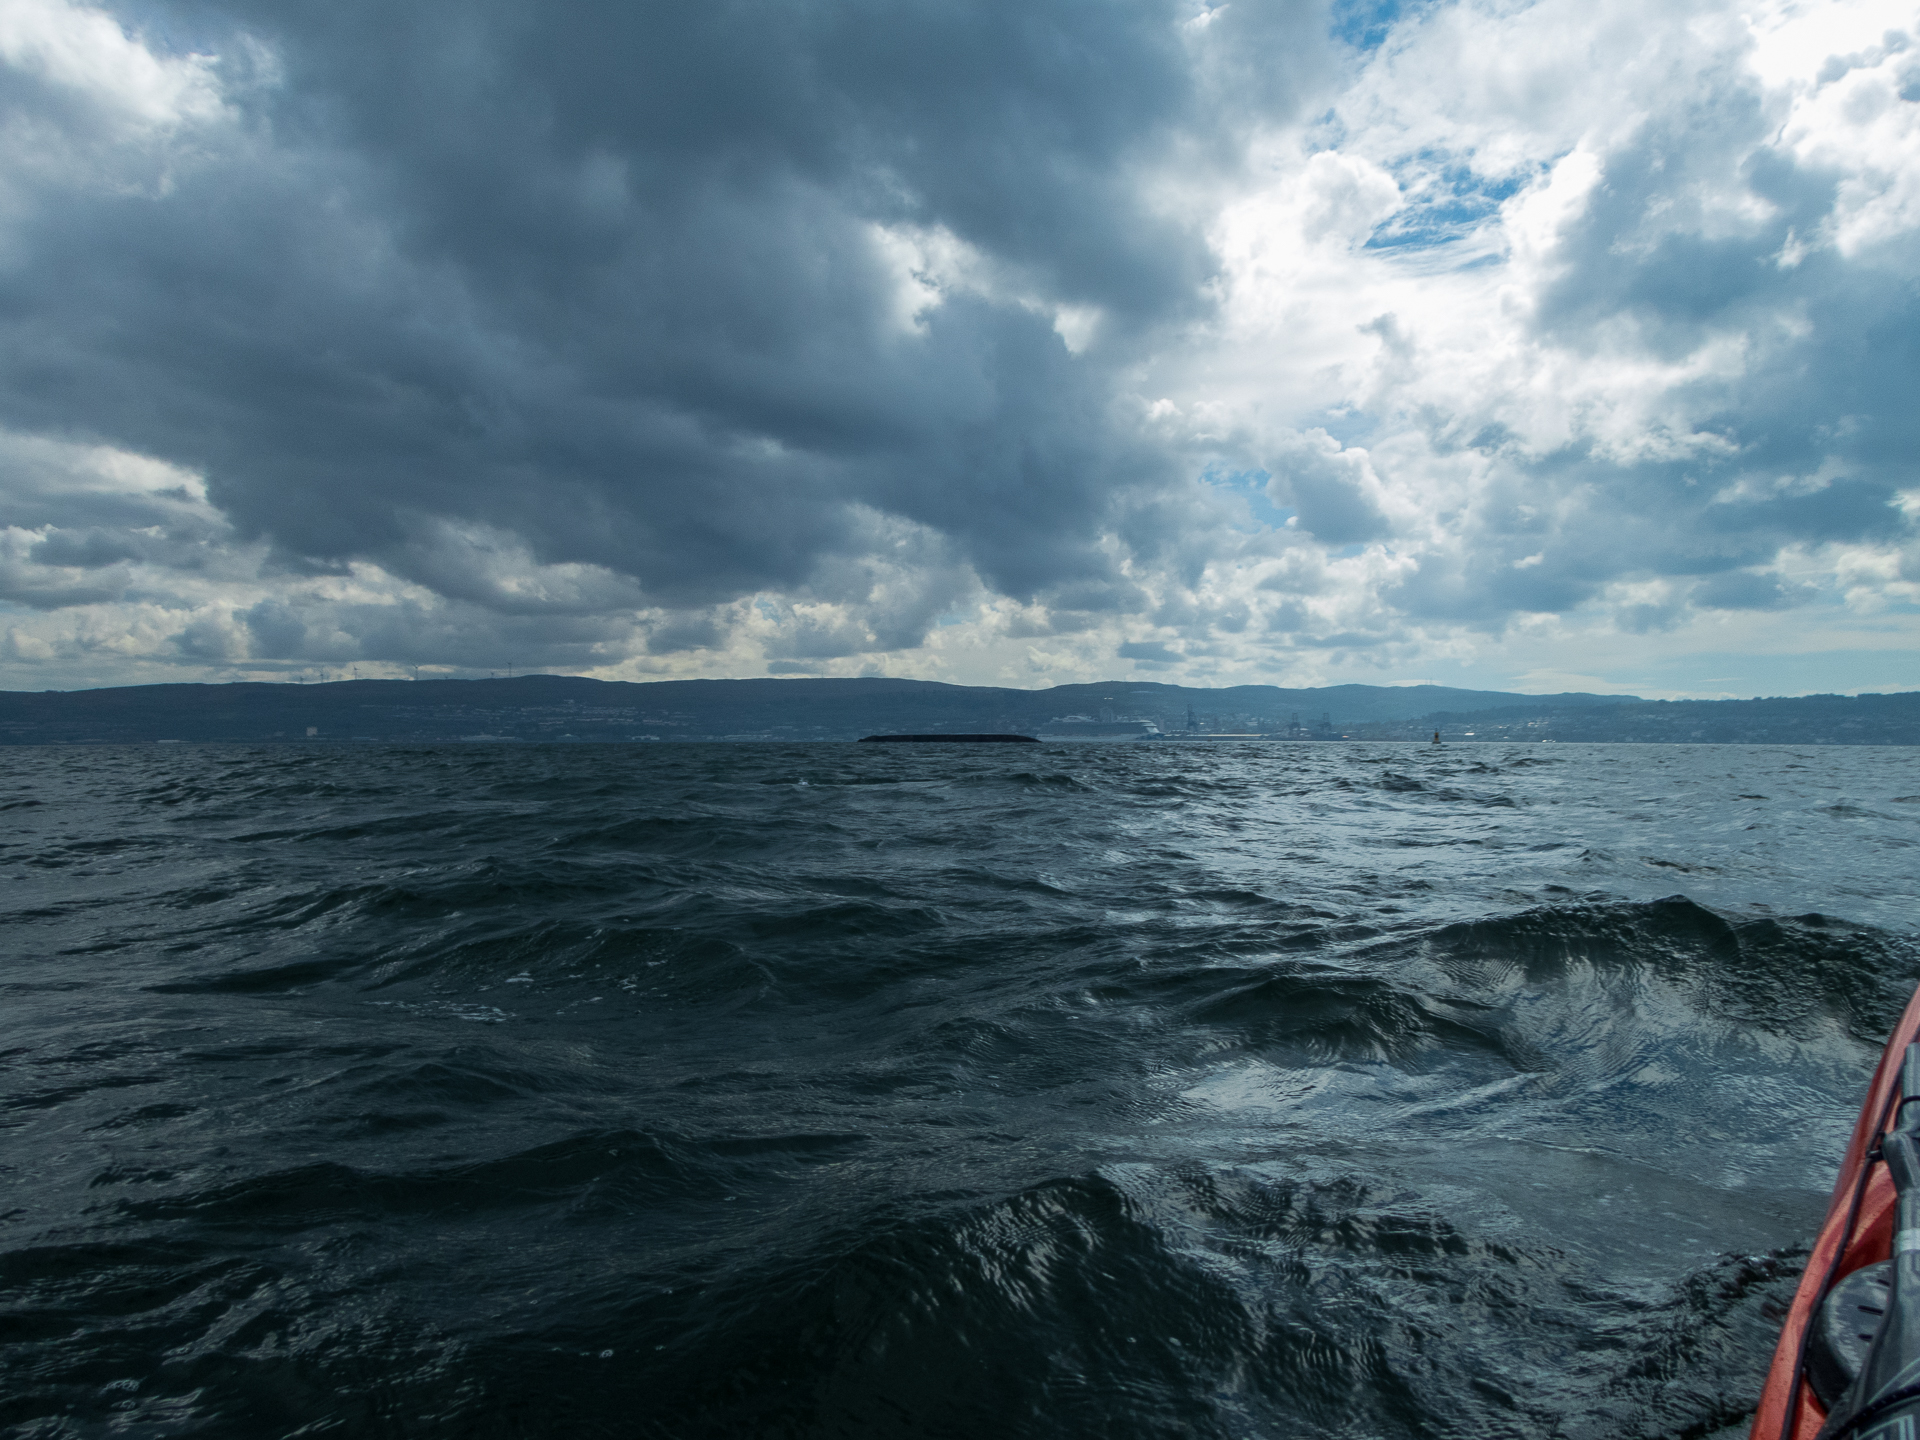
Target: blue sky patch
[1365, 24]
[1250, 486]
[1446, 201]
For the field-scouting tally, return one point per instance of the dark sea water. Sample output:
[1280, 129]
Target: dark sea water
[1077, 1090]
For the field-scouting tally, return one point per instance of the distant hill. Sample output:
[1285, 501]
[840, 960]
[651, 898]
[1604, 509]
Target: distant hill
[549, 707]
[1796, 720]
[569, 708]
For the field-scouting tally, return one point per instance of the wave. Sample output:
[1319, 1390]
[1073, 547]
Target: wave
[1140, 1090]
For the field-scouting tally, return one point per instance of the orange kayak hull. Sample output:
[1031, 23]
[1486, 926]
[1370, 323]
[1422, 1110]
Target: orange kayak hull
[1858, 1231]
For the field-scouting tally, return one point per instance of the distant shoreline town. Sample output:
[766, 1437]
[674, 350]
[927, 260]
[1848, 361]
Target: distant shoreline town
[572, 709]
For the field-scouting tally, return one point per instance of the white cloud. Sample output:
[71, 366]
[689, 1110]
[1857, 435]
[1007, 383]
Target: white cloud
[87, 53]
[88, 105]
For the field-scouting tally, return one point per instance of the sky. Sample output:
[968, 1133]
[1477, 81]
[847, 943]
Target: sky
[1569, 345]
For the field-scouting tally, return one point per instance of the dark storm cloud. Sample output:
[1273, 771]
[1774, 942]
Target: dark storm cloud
[1609, 522]
[40, 586]
[1744, 590]
[604, 279]
[1332, 493]
[1820, 418]
[407, 632]
[1149, 652]
[585, 323]
[87, 549]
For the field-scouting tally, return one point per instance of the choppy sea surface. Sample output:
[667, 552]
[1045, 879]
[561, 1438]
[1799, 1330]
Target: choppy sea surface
[1116, 1090]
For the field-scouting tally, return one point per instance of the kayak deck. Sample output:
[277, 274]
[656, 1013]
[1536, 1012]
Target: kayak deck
[1858, 1231]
